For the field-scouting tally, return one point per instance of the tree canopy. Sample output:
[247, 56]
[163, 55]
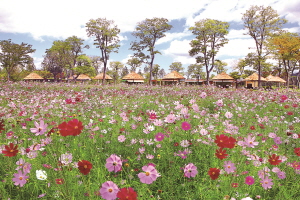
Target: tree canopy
[210, 37]
[148, 32]
[14, 55]
[106, 36]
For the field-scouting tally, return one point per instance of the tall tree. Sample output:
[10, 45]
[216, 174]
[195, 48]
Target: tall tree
[134, 63]
[116, 66]
[210, 37]
[52, 63]
[96, 63]
[14, 55]
[220, 66]
[240, 66]
[106, 38]
[148, 32]
[155, 71]
[196, 71]
[260, 22]
[161, 73]
[176, 66]
[84, 66]
[286, 47]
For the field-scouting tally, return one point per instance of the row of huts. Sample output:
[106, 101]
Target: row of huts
[222, 79]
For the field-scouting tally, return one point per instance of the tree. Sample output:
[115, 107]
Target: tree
[195, 71]
[148, 32]
[210, 37]
[52, 63]
[14, 55]
[106, 38]
[134, 63]
[155, 71]
[240, 66]
[124, 71]
[235, 75]
[220, 66]
[116, 66]
[96, 63]
[260, 23]
[161, 73]
[286, 47]
[84, 66]
[176, 66]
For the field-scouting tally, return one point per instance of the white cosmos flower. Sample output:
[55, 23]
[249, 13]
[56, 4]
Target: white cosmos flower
[41, 174]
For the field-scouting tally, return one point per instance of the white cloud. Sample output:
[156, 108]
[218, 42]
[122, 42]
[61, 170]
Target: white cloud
[171, 36]
[237, 48]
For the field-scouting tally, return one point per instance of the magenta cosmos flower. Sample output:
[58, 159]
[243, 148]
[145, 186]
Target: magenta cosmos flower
[190, 170]
[39, 129]
[149, 175]
[20, 178]
[249, 180]
[113, 163]
[159, 137]
[185, 126]
[109, 190]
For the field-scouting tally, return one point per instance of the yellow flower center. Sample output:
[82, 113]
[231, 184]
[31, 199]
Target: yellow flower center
[147, 173]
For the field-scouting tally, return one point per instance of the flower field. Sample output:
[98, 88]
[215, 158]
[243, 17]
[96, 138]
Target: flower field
[75, 141]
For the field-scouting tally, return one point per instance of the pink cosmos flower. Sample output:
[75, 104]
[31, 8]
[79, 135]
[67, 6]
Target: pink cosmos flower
[266, 183]
[121, 138]
[159, 137]
[39, 129]
[229, 167]
[113, 163]
[219, 103]
[250, 142]
[281, 175]
[109, 190]
[149, 175]
[185, 126]
[190, 170]
[203, 95]
[20, 178]
[170, 118]
[66, 158]
[249, 180]
[228, 115]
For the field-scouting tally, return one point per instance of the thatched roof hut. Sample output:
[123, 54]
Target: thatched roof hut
[33, 76]
[81, 77]
[222, 76]
[252, 80]
[173, 77]
[100, 77]
[134, 78]
[271, 78]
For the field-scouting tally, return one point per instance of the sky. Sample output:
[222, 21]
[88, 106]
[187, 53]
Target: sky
[40, 22]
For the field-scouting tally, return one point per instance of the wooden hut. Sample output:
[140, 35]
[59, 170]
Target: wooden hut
[194, 81]
[81, 77]
[223, 80]
[173, 78]
[33, 77]
[133, 78]
[100, 77]
[252, 80]
[274, 79]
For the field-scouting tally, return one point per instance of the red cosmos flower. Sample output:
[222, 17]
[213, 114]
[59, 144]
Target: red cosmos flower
[224, 141]
[1, 125]
[297, 151]
[274, 160]
[290, 113]
[221, 153]
[252, 127]
[152, 116]
[185, 126]
[214, 173]
[127, 194]
[10, 150]
[84, 166]
[73, 127]
[59, 181]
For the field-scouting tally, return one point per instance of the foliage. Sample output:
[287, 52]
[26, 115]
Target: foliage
[148, 32]
[196, 71]
[106, 38]
[13, 56]
[115, 70]
[177, 66]
[220, 66]
[261, 22]
[134, 63]
[210, 37]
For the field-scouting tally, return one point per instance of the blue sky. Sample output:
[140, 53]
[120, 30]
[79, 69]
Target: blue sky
[39, 23]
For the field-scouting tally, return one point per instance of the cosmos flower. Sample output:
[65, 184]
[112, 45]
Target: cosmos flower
[190, 170]
[113, 163]
[149, 175]
[20, 178]
[40, 128]
[109, 190]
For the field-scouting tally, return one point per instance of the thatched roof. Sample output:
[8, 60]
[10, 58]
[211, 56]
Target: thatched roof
[254, 77]
[222, 76]
[81, 77]
[100, 76]
[271, 78]
[33, 76]
[133, 76]
[173, 75]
